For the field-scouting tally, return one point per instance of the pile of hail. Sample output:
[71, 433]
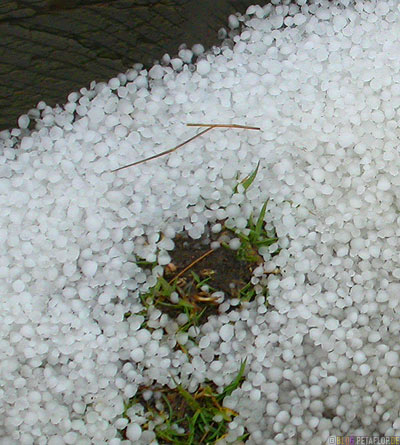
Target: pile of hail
[322, 82]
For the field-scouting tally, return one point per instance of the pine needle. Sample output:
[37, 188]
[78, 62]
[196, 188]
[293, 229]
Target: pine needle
[245, 127]
[209, 127]
[165, 152]
[191, 265]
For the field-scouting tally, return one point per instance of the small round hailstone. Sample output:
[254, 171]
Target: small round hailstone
[203, 67]
[364, 369]
[346, 139]
[156, 72]
[360, 148]
[27, 331]
[111, 121]
[255, 395]
[382, 296]
[331, 324]
[374, 337]
[181, 98]
[318, 175]
[26, 143]
[133, 432]
[23, 121]
[177, 63]
[163, 258]
[343, 363]
[392, 358]
[234, 243]
[197, 49]
[233, 21]
[299, 19]
[85, 293]
[18, 286]
[125, 106]
[304, 312]
[204, 342]
[233, 210]
[226, 332]
[114, 83]
[89, 268]
[93, 223]
[56, 133]
[288, 283]
[382, 8]
[359, 357]
[275, 374]
[174, 161]
[331, 380]
[339, 22]
[121, 131]
[383, 184]
[137, 355]
[101, 149]
[110, 370]
[96, 114]
[186, 55]
[216, 366]
[35, 397]
[143, 336]
[31, 418]
[283, 417]
[180, 191]
[216, 228]
[70, 437]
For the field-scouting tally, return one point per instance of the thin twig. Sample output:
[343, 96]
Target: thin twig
[191, 265]
[165, 152]
[246, 127]
[209, 127]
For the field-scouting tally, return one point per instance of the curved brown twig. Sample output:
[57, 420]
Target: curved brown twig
[209, 127]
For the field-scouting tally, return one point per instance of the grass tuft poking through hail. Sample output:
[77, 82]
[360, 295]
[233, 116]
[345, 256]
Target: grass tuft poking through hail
[192, 419]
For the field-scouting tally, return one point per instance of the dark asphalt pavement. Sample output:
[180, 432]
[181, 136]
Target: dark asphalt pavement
[49, 48]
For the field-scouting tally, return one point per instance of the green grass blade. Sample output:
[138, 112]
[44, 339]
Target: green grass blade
[169, 407]
[266, 242]
[250, 224]
[195, 276]
[200, 281]
[193, 320]
[260, 221]
[145, 264]
[192, 402]
[235, 382]
[247, 292]
[170, 435]
[192, 427]
[218, 432]
[250, 179]
[243, 238]
[165, 288]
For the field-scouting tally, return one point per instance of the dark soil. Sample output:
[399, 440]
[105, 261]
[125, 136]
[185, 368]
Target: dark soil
[222, 266]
